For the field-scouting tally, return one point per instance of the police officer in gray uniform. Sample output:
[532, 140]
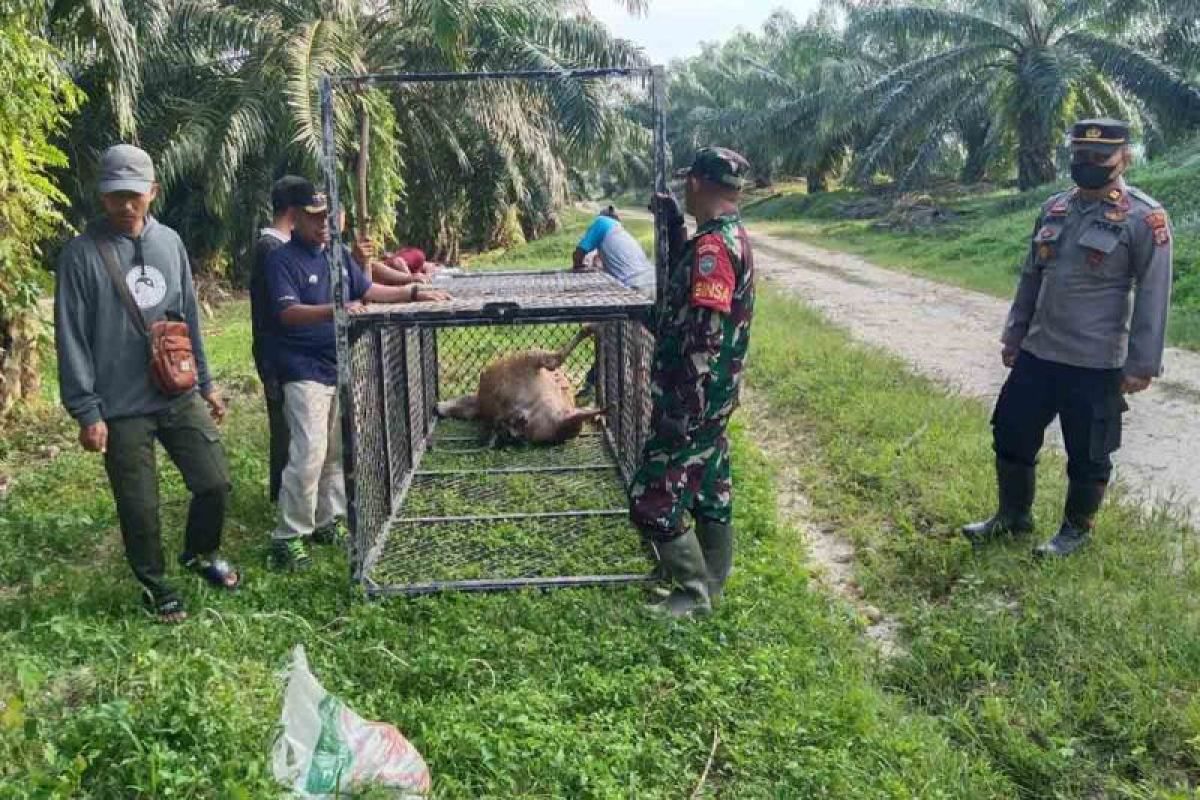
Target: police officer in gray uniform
[1087, 327]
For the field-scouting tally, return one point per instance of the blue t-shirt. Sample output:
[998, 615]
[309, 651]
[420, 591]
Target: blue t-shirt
[298, 274]
[595, 234]
[623, 257]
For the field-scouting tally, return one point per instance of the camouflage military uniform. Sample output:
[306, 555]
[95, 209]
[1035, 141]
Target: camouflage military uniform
[702, 337]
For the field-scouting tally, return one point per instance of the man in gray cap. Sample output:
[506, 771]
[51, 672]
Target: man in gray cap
[1087, 327]
[127, 263]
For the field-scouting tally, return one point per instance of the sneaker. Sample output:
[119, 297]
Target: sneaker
[333, 533]
[290, 555]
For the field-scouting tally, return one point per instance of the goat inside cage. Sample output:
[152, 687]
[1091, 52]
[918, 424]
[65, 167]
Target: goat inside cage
[432, 505]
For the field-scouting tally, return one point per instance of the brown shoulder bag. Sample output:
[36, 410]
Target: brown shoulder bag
[172, 363]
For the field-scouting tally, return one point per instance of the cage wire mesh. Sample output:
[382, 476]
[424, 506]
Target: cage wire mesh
[432, 507]
[435, 506]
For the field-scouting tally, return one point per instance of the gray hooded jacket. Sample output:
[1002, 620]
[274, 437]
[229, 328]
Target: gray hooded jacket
[103, 359]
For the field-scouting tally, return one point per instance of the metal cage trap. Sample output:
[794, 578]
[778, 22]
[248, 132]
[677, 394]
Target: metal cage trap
[431, 505]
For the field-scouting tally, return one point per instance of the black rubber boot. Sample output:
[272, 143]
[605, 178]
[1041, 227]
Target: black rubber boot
[1079, 517]
[716, 542]
[684, 562]
[1016, 486]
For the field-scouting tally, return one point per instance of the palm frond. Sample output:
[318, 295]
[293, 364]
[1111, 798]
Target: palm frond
[1140, 74]
[930, 23]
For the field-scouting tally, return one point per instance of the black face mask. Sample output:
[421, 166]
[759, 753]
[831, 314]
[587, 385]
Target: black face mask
[1091, 176]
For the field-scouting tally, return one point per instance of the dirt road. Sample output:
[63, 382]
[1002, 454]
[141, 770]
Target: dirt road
[952, 335]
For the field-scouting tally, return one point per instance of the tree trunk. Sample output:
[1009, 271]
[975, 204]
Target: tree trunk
[20, 375]
[816, 181]
[1035, 153]
[975, 139]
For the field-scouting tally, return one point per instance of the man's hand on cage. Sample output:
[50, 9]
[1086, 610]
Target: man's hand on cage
[667, 204]
[424, 294]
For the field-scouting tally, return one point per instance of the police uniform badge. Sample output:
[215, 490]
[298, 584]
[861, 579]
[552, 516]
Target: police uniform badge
[707, 264]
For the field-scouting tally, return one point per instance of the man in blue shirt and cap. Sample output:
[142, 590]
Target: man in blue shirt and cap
[312, 496]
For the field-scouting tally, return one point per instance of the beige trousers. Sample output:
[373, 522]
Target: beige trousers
[313, 490]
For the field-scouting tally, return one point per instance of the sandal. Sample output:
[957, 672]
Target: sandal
[218, 572]
[167, 609]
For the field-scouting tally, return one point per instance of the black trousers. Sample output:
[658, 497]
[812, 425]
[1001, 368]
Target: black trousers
[280, 440]
[1087, 402]
[188, 434]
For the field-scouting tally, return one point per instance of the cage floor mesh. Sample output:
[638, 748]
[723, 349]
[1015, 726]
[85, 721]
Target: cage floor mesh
[477, 517]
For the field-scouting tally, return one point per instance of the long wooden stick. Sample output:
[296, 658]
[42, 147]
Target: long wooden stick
[364, 148]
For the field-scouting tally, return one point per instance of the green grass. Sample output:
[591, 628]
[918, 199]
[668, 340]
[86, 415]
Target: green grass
[559, 694]
[1072, 680]
[983, 249]
[1075, 679]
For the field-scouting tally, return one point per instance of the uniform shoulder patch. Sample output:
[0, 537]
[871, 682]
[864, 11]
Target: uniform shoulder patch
[1159, 226]
[713, 279]
[1145, 198]
[1059, 204]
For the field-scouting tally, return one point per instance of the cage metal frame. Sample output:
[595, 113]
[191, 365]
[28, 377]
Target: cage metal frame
[328, 87]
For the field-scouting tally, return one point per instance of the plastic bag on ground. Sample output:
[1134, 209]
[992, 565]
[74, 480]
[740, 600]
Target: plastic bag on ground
[326, 750]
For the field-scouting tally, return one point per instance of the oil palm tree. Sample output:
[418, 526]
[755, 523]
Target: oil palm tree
[1029, 65]
[227, 100]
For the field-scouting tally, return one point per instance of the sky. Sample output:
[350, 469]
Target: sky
[675, 28]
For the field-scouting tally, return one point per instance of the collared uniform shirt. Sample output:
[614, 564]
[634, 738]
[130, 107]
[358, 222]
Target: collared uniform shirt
[1095, 289]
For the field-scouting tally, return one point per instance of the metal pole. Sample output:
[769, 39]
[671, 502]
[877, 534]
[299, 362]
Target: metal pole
[530, 74]
[340, 318]
[658, 87]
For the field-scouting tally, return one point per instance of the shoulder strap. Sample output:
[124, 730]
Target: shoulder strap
[1145, 198]
[108, 255]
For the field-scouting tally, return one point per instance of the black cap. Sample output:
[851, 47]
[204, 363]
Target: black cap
[289, 191]
[1100, 135]
[306, 197]
[719, 165]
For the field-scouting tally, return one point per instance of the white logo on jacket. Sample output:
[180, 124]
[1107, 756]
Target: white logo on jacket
[147, 285]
